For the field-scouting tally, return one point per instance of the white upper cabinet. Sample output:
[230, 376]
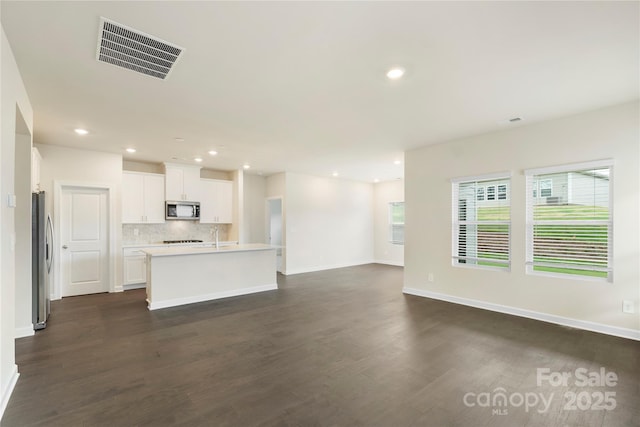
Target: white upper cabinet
[36, 160]
[154, 198]
[142, 198]
[216, 201]
[182, 182]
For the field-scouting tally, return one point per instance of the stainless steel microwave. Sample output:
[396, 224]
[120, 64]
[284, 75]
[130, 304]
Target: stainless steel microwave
[182, 210]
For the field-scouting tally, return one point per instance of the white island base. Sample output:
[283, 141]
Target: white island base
[186, 275]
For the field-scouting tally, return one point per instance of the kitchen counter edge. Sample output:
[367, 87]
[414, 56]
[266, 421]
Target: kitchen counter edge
[190, 250]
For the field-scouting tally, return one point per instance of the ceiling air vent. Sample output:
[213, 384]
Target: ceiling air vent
[128, 48]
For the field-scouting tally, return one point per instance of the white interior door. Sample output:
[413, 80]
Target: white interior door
[84, 240]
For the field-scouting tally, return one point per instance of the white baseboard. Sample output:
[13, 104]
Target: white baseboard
[209, 297]
[289, 272]
[545, 317]
[396, 263]
[25, 331]
[8, 390]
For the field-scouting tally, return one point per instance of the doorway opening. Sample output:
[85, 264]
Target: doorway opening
[22, 225]
[275, 222]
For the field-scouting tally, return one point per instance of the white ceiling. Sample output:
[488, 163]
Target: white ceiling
[301, 87]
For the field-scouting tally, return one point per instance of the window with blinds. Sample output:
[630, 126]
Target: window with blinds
[569, 220]
[482, 225]
[396, 223]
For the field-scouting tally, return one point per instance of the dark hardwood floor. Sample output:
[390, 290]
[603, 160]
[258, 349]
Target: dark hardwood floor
[335, 348]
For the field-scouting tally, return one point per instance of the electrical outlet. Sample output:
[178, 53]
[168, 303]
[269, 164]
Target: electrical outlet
[430, 277]
[628, 307]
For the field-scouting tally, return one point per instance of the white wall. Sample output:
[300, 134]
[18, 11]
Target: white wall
[607, 133]
[69, 166]
[159, 168]
[13, 95]
[386, 252]
[254, 220]
[329, 223]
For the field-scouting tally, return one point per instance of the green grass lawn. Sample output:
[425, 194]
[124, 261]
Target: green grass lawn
[594, 238]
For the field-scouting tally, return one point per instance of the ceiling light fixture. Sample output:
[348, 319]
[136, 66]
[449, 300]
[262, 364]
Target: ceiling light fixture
[246, 166]
[335, 174]
[179, 139]
[81, 131]
[397, 162]
[198, 159]
[395, 73]
[376, 180]
[131, 150]
[213, 152]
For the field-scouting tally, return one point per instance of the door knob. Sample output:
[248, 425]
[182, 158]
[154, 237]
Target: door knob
[64, 246]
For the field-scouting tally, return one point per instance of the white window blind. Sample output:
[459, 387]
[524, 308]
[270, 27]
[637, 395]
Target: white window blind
[569, 220]
[396, 222]
[482, 227]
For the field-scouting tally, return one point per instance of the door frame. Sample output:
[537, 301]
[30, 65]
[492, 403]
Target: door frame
[58, 188]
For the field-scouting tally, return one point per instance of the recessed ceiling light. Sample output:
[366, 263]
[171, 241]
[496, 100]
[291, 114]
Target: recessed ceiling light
[335, 174]
[376, 180]
[395, 73]
[246, 166]
[81, 131]
[397, 162]
[213, 152]
[131, 150]
[198, 159]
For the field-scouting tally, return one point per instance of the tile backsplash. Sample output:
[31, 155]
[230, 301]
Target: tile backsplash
[171, 230]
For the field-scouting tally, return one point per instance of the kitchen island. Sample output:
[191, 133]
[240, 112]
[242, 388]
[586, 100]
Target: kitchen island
[186, 275]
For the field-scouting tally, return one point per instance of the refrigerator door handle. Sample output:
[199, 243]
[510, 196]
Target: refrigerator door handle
[50, 245]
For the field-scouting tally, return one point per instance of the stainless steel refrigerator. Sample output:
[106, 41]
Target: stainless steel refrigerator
[42, 259]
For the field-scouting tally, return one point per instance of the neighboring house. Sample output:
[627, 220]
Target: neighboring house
[567, 189]
[555, 189]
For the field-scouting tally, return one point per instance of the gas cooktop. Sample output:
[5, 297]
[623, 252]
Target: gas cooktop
[181, 241]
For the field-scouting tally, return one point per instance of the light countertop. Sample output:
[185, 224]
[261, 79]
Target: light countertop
[164, 245]
[172, 250]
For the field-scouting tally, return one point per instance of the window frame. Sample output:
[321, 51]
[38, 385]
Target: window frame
[530, 222]
[498, 193]
[480, 180]
[392, 224]
[493, 193]
[540, 189]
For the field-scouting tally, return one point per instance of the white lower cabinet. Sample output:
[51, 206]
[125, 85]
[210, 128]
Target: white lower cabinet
[134, 269]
